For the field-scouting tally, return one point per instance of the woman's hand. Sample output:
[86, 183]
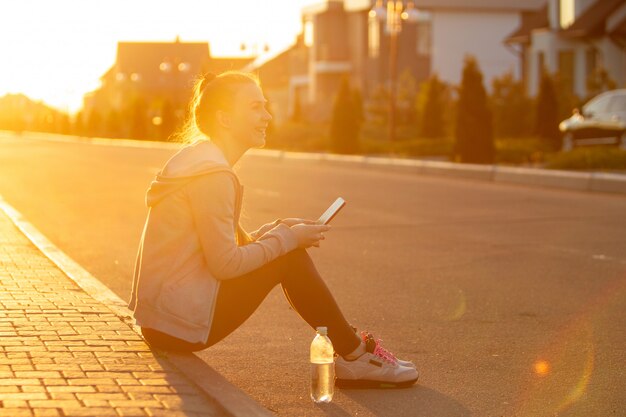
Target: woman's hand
[309, 234]
[292, 221]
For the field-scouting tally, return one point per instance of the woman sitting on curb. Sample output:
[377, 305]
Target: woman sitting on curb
[199, 275]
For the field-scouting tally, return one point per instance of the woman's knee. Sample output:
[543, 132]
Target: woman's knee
[298, 254]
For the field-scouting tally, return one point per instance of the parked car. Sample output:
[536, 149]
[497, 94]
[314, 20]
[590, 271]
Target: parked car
[602, 121]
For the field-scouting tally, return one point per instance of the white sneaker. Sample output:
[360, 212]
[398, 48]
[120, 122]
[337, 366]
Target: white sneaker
[376, 368]
[367, 335]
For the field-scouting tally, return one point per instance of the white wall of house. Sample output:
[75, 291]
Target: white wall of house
[614, 60]
[548, 43]
[455, 34]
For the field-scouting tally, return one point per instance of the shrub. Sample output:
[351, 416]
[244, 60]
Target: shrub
[473, 128]
[345, 123]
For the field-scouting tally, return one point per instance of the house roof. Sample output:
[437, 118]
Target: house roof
[530, 21]
[619, 29]
[470, 5]
[145, 57]
[592, 21]
[263, 59]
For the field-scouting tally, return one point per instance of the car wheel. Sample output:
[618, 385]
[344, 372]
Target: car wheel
[568, 142]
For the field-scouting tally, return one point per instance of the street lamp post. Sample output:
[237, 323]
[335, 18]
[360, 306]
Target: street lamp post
[393, 16]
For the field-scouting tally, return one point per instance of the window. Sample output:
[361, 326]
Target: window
[424, 34]
[597, 106]
[617, 104]
[308, 33]
[373, 36]
[566, 13]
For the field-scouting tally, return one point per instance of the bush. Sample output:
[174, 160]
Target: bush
[432, 103]
[547, 111]
[512, 109]
[602, 158]
[526, 150]
[346, 121]
[473, 129]
[298, 136]
[413, 148]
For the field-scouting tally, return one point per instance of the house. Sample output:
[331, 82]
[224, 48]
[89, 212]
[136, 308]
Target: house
[278, 73]
[575, 38]
[342, 38]
[147, 90]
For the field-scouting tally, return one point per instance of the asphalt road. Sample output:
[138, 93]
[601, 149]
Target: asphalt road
[511, 300]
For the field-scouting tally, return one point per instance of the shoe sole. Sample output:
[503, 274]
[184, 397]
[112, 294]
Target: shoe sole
[367, 383]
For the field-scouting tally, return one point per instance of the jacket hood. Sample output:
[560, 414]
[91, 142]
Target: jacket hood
[191, 161]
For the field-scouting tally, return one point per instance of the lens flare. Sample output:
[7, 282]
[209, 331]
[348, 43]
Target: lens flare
[541, 367]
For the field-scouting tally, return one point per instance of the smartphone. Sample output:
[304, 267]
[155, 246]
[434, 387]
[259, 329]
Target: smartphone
[332, 211]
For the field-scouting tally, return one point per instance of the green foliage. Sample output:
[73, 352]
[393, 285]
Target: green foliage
[359, 111]
[407, 87]
[567, 100]
[345, 123]
[473, 128]
[138, 119]
[591, 158]
[521, 150]
[547, 111]
[598, 82]
[296, 114]
[298, 136]
[378, 105]
[431, 104]
[512, 115]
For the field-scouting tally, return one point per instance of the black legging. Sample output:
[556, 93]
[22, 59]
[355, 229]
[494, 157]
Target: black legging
[239, 297]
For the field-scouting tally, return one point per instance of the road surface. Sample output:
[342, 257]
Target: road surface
[510, 299]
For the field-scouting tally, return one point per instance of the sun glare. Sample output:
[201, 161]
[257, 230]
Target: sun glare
[58, 50]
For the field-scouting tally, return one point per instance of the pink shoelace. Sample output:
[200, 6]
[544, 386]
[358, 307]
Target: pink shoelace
[379, 350]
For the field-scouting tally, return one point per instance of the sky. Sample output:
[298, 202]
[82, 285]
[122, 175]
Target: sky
[56, 50]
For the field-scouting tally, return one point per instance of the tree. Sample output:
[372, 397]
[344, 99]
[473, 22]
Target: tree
[406, 97]
[169, 121]
[296, 114]
[511, 107]
[138, 119]
[432, 94]
[378, 104]
[344, 128]
[547, 110]
[473, 128]
[94, 123]
[357, 97]
[599, 81]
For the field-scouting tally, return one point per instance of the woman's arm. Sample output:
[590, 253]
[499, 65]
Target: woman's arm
[212, 199]
[267, 226]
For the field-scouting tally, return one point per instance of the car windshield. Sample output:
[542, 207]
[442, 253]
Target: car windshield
[617, 103]
[597, 105]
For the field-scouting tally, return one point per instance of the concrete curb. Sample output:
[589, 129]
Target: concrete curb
[535, 177]
[233, 400]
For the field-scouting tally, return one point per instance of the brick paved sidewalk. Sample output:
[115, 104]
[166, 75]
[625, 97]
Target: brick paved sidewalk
[62, 353]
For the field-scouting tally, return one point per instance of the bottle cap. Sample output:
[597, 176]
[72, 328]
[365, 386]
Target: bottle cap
[322, 330]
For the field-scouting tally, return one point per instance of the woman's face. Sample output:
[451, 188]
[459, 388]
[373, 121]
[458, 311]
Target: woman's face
[249, 116]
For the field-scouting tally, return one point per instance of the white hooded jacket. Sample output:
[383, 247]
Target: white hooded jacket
[188, 243]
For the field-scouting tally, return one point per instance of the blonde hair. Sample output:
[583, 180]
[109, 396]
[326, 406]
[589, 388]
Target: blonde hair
[210, 93]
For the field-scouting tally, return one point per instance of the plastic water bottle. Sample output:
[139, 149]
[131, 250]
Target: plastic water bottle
[322, 367]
